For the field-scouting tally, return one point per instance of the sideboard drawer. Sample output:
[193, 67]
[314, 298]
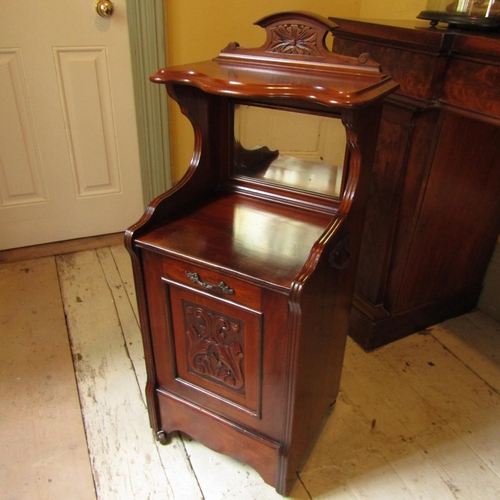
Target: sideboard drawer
[211, 281]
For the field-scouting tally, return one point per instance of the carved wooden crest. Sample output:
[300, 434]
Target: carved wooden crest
[294, 39]
[297, 37]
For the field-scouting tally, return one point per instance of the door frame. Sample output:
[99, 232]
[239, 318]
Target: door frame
[147, 32]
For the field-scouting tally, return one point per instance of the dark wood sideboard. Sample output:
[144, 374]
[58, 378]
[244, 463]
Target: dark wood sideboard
[434, 213]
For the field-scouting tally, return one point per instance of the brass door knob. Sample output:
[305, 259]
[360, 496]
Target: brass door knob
[104, 8]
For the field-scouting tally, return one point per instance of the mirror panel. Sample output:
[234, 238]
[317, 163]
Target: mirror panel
[289, 149]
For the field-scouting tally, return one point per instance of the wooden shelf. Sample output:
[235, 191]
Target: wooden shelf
[254, 239]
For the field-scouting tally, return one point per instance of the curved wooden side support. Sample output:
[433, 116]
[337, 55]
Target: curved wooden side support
[211, 148]
[321, 280]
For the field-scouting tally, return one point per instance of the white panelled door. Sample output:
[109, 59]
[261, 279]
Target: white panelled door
[69, 161]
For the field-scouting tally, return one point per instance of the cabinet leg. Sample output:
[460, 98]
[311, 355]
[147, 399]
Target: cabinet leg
[161, 437]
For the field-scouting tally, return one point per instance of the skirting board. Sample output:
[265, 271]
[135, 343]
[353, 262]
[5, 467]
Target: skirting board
[61, 247]
[489, 301]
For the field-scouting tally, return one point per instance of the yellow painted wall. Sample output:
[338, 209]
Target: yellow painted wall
[391, 9]
[198, 30]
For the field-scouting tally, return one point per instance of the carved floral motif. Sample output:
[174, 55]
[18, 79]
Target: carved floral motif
[294, 39]
[213, 349]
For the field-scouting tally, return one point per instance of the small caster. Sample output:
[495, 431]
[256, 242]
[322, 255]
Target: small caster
[161, 437]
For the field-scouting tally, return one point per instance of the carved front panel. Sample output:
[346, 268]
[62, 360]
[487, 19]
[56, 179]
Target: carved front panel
[215, 346]
[217, 351]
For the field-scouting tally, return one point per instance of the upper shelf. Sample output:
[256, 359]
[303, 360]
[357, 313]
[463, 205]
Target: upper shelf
[293, 63]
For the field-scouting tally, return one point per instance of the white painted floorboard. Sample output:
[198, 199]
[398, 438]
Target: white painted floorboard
[417, 419]
[102, 329]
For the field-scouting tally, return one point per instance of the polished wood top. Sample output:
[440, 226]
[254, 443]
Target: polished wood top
[244, 236]
[420, 37]
[331, 89]
[441, 66]
[293, 63]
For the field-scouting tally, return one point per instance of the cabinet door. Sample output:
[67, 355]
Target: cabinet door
[215, 352]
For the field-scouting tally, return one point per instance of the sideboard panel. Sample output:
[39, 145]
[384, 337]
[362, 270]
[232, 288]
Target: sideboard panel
[454, 232]
[385, 199]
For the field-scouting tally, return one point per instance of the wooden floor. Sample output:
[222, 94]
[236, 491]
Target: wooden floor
[418, 419]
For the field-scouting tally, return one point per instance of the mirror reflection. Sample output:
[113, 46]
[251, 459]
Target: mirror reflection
[290, 149]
